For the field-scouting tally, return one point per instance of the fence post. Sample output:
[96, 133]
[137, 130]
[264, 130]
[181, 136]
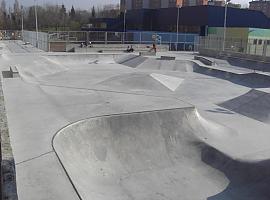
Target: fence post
[264, 48]
[267, 53]
[48, 41]
[106, 37]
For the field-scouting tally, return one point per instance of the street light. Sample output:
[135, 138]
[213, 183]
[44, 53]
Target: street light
[22, 21]
[177, 26]
[35, 1]
[225, 24]
[124, 25]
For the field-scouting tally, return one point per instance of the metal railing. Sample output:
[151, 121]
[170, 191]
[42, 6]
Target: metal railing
[185, 42]
[63, 41]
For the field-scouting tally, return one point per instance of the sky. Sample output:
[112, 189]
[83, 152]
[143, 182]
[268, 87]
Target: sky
[87, 4]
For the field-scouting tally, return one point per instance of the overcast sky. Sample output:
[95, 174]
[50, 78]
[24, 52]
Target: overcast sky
[87, 4]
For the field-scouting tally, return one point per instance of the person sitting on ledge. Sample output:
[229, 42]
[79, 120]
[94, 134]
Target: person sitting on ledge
[130, 49]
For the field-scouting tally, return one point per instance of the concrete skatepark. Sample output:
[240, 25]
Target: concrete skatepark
[122, 126]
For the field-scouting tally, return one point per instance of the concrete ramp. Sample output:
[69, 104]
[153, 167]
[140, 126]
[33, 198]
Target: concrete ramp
[39, 67]
[168, 65]
[76, 59]
[170, 82]
[254, 104]
[156, 155]
[137, 82]
[130, 60]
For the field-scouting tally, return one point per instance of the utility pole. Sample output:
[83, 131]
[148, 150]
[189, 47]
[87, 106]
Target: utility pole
[225, 24]
[124, 25]
[22, 20]
[177, 26]
[35, 1]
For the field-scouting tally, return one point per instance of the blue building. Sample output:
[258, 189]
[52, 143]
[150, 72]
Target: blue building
[194, 19]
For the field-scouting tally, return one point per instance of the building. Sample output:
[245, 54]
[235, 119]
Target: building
[234, 5]
[246, 40]
[165, 19]
[222, 3]
[216, 3]
[194, 2]
[157, 4]
[260, 5]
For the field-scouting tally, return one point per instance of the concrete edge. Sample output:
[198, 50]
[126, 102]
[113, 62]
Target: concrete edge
[8, 170]
[204, 60]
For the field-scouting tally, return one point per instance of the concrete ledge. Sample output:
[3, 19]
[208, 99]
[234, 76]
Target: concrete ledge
[167, 58]
[8, 173]
[204, 60]
[14, 71]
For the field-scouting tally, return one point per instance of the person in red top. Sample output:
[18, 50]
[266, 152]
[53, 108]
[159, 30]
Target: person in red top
[154, 48]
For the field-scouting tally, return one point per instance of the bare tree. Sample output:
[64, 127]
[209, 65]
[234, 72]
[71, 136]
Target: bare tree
[93, 12]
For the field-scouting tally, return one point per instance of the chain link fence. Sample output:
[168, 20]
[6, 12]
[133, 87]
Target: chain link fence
[80, 39]
[39, 40]
[65, 41]
[251, 46]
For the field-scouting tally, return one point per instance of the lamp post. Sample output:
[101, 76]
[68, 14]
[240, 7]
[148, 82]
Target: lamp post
[124, 25]
[35, 1]
[225, 24]
[177, 26]
[22, 21]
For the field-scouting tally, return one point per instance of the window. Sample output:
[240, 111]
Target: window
[255, 41]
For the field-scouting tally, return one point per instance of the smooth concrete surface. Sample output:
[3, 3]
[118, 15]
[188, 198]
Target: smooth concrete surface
[101, 126]
[146, 155]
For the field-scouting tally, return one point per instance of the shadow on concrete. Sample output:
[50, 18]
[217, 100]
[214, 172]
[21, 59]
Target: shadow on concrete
[249, 64]
[248, 181]
[220, 110]
[251, 80]
[254, 104]
[7, 74]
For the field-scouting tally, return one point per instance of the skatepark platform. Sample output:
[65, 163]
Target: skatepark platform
[123, 126]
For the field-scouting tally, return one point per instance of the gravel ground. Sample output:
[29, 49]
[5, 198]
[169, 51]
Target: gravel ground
[8, 165]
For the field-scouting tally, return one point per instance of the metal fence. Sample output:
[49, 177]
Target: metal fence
[181, 41]
[10, 35]
[251, 46]
[39, 40]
